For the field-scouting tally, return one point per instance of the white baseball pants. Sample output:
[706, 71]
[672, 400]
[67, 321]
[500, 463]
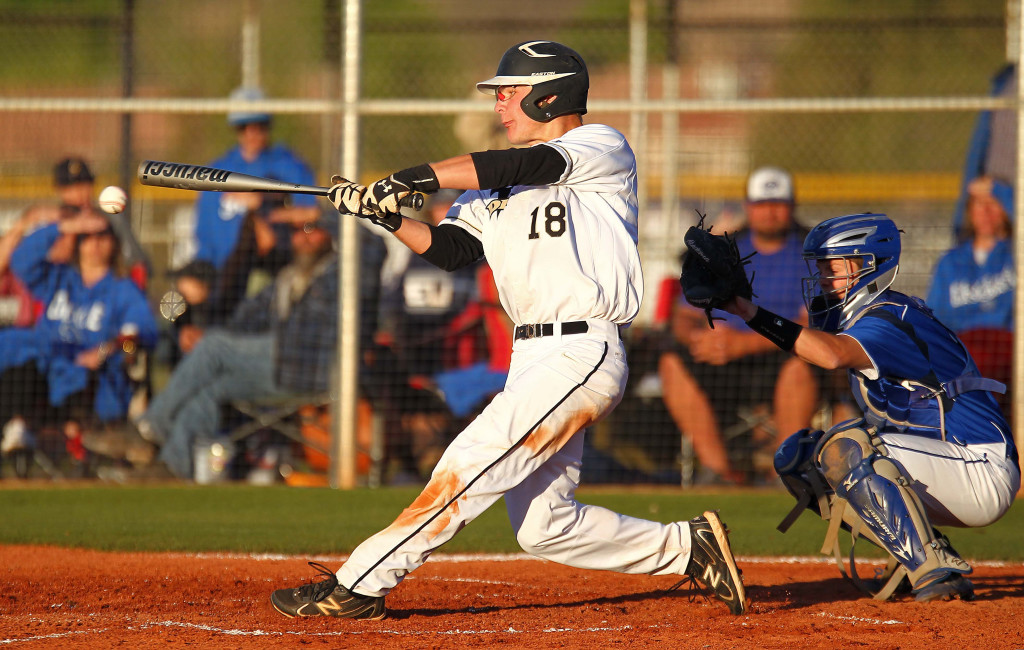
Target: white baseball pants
[964, 486]
[526, 446]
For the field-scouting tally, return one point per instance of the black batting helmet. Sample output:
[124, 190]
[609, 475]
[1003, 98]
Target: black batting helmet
[552, 69]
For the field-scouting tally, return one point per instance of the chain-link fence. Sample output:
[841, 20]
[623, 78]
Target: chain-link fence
[691, 84]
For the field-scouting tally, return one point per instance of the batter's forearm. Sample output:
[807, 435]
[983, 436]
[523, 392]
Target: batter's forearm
[458, 173]
[414, 234]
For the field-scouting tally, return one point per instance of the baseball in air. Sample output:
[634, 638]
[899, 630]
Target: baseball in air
[112, 199]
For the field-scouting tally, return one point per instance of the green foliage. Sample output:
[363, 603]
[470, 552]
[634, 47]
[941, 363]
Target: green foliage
[277, 519]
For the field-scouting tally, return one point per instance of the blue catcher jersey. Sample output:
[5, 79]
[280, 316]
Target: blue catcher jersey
[911, 388]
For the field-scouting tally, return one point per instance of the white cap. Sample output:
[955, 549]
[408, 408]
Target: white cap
[770, 184]
[252, 94]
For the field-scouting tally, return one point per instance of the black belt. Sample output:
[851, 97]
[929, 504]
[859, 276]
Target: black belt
[538, 330]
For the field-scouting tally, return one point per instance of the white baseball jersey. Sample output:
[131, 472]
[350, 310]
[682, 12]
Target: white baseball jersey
[562, 252]
[566, 251]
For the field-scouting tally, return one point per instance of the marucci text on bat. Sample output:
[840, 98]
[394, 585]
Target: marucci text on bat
[185, 172]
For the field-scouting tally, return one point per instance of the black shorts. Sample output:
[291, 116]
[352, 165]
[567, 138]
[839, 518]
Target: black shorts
[747, 380]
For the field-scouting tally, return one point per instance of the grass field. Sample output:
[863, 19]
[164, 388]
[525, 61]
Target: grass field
[278, 519]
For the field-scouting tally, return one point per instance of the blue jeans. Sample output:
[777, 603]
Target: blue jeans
[221, 368]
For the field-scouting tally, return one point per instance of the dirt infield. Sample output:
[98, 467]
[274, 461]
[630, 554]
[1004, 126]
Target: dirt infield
[64, 598]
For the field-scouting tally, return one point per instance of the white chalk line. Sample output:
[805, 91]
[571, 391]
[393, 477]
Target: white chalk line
[55, 635]
[415, 633]
[462, 558]
[858, 619]
[393, 632]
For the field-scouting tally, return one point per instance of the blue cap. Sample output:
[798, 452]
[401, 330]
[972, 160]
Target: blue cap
[1004, 194]
[241, 118]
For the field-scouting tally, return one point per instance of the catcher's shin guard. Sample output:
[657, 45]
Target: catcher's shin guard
[796, 464]
[873, 497]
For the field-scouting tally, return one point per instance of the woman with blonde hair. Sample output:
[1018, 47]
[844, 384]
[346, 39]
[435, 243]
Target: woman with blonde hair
[973, 284]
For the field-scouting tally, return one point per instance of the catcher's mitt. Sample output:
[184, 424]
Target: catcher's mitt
[713, 271]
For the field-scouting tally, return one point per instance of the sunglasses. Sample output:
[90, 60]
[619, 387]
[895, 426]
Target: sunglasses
[505, 93]
[103, 233]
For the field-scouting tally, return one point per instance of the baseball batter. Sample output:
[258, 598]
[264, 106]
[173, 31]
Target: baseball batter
[932, 448]
[557, 222]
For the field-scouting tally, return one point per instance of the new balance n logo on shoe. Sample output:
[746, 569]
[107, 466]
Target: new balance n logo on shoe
[327, 598]
[712, 564]
[711, 577]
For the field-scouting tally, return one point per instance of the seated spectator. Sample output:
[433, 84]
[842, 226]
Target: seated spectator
[243, 232]
[17, 310]
[279, 343]
[972, 288]
[69, 369]
[190, 307]
[707, 373]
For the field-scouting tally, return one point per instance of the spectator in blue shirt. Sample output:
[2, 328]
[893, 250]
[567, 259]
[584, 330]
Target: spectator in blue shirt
[241, 231]
[707, 372]
[69, 369]
[973, 284]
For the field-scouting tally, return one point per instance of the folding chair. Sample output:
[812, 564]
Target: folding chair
[276, 414]
[283, 416]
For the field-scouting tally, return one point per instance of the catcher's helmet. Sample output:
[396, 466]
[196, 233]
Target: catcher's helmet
[873, 238]
[552, 69]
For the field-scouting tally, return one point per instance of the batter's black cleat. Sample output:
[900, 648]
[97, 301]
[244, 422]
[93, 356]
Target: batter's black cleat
[712, 565]
[327, 598]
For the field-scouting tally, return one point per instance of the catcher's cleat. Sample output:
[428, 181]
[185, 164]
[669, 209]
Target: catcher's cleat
[327, 598]
[712, 564]
[955, 585]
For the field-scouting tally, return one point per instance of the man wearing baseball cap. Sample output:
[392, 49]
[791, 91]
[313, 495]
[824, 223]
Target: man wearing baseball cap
[76, 185]
[708, 372]
[241, 231]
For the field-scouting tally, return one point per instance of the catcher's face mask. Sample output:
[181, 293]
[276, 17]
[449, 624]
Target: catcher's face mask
[830, 286]
[871, 238]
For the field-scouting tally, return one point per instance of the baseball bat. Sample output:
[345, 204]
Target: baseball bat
[200, 178]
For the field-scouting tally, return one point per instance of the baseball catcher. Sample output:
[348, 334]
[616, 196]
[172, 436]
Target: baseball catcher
[932, 447]
[713, 271]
